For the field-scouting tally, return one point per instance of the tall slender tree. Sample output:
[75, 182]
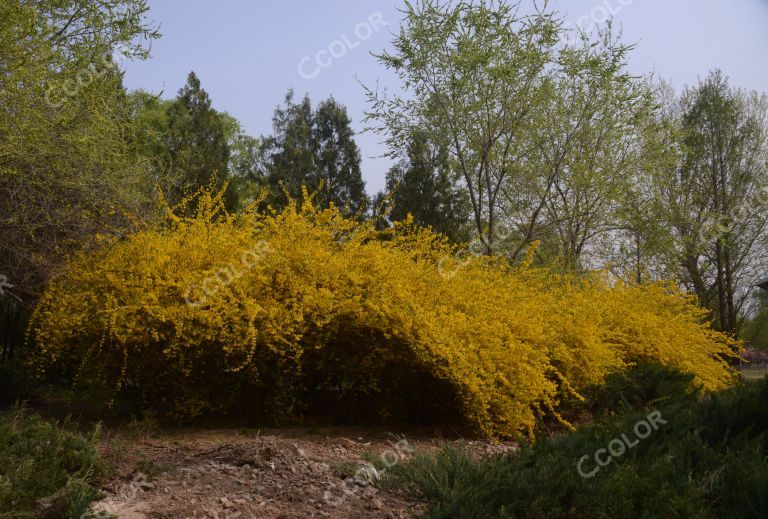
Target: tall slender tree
[716, 196]
[337, 157]
[425, 186]
[473, 73]
[198, 151]
[288, 155]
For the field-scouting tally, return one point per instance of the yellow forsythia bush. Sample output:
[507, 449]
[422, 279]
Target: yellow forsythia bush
[284, 313]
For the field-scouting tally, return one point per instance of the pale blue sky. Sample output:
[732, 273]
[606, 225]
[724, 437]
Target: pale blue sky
[247, 53]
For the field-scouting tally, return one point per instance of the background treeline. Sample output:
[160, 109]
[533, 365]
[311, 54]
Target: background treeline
[562, 144]
[503, 136]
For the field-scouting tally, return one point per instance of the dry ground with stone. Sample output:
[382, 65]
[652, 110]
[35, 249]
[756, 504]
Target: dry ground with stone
[275, 473]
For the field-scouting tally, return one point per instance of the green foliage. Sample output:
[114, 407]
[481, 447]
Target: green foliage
[643, 385]
[190, 145]
[151, 118]
[590, 134]
[337, 158]
[714, 196]
[198, 152]
[313, 149]
[708, 460]
[425, 187]
[755, 330]
[245, 179]
[472, 75]
[66, 169]
[545, 137]
[44, 460]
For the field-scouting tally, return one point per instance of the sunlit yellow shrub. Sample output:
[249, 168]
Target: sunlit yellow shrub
[212, 311]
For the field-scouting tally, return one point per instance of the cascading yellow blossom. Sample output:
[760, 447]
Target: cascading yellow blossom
[214, 310]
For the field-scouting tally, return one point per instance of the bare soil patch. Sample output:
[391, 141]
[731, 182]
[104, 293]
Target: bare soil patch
[276, 473]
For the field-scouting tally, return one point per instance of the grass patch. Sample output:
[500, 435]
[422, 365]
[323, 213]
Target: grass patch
[46, 468]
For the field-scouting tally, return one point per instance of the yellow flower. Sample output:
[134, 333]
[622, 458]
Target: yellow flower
[177, 317]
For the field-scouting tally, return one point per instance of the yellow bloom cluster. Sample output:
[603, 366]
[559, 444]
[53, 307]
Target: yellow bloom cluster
[195, 315]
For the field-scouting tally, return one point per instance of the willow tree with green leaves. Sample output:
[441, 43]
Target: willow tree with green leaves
[67, 169]
[592, 146]
[547, 137]
[472, 74]
[715, 196]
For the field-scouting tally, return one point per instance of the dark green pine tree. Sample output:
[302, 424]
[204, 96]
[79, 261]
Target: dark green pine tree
[424, 186]
[310, 148]
[337, 158]
[196, 141]
[288, 154]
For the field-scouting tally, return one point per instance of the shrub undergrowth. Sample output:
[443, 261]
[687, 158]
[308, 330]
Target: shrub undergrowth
[43, 461]
[710, 459]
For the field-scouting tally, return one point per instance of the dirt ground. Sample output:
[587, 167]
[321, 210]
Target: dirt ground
[753, 374]
[277, 473]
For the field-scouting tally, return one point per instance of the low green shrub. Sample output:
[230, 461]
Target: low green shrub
[46, 469]
[643, 386]
[707, 459]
